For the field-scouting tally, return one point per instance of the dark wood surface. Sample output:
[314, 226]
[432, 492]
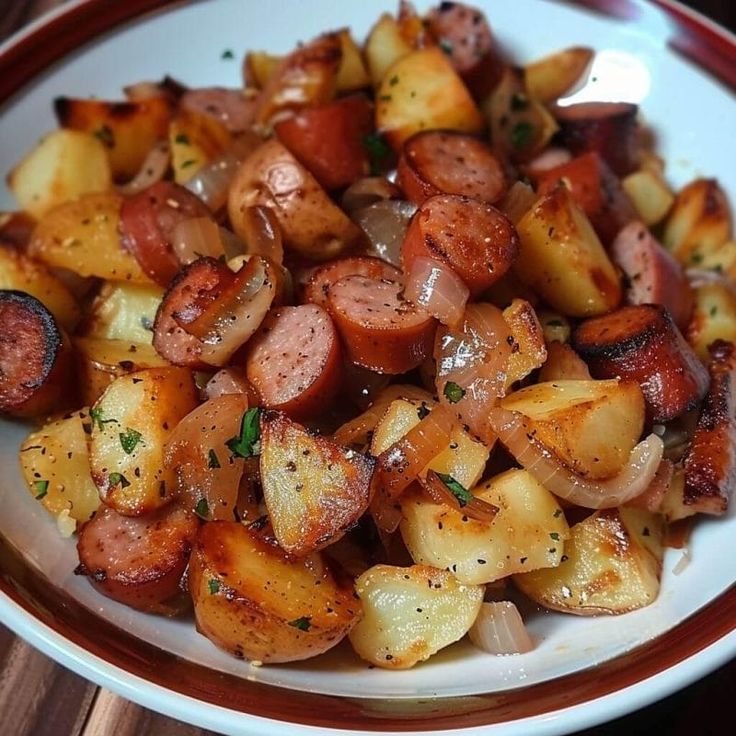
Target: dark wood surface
[40, 698]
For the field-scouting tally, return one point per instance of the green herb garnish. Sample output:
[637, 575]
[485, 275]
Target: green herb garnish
[214, 585]
[446, 46]
[189, 162]
[95, 414]
[129, 439]
[41, 488]
[377, 148]
[105, 135]
[228, 54]
[462, 494]
[182, 138]
[303, 623]
[248, 442]
[519, 101]
[212, 460]
[453, 393]
[118, 479]
[555, 536]
[202, 508]
[521, 134]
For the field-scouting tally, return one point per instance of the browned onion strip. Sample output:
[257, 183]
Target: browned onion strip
[499, 629]
[263, 233]
[386, 512]
[385, 224]
[438, 289]
[517, 202]
[196, 237]
[630, 482]
[153, 169]
[476, 508]
[653, 496]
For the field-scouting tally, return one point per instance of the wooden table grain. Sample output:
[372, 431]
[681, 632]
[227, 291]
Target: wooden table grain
[41, 698]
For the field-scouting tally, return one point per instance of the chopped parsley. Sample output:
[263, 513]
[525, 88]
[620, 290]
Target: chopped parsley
[202, 508]
[41, 488]
[519, 101]
[214, 585]
[453, 393]
[377, 148]
[713, 311]
[555, 536]
[189, 162]
[227, 54]
[446, 46]
[105, 135]
[394, 80]
[696, 258]
[95, 414]
[182, 138]
[212, 460]
[521, 134]
[248, 442]
[129, 439]
[303, 623]
[118, 479]
[461, 493]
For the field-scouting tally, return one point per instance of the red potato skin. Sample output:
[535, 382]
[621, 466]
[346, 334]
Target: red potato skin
[643, 344]
[446, 162]
[147, 221]
[228, 106]
[652, 275]
[710, 462]
[36, 359]
[317, 288]
[294, 361]
[380, 330]
[474, 239]
[606, 127]
[328, 140]
[596, 189]
[137, 561]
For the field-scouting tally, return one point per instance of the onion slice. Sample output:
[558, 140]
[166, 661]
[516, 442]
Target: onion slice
[475, 508]
[499, 629]
[438, 289]
[653, 496]
[517, 202]
[153, 169]
[630, 482]
[385, 223]
[263, 233]
[196, 237]
[367, 191]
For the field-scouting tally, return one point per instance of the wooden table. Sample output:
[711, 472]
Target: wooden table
[41, 698]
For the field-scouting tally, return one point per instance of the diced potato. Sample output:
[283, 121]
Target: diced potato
[714, 316]
[410, 613]
[123, 311]
[128, 130]
[650, 195]
[550, 77]
[722, 260]
[20, 273]
[131, 422]
[195, 139]
[699, 221]
[555, 327]
[314, 490]
[527, 533]
[384, 46]
[256, 602]
[529, 350]
[592, 426]
[55, 462]
[563, 364]
[562, 259]
[612, 564]
[258, 68]
[101, 361]
[83, 237]
[464, 458]
[422, 91]
[64, 165]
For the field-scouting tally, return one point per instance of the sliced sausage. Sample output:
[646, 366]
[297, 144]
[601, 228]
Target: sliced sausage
[228, 106]
[317, 287]
[380, 329]
[606, 127]
[294, 360]
[147, 222]
[465, 35]
[444, 162]
[653, 276]
[474, 239]
[35, 357]
[642, 343]
[138, 561]
[710, 462]
[596, 189]
[197, 285]
[329, 140]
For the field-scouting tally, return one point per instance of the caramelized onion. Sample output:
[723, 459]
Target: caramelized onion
[517, 202]
[153, 169]
[651, 499]
[263, 233]
[438, 289]
[630, 482]
[550, 158]
[196, 237]
[475, 508]
[499, 629]
[385, 224]
[368, 191]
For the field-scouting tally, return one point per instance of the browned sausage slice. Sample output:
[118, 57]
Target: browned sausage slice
[474, 239]
[653, 276]
[380, 329]
[443, 162]
[137, 561]
[35, 357]
[642, 343]
[294, 360]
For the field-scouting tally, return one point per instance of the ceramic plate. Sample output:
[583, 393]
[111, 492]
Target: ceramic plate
[583, 671]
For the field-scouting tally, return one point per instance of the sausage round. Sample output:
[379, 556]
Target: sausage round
[474, 239]
[138, 561]
[380, 329]
[294, 360]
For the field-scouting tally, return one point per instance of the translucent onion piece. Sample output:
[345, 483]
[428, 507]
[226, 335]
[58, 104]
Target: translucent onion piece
[476, 508]
[225, 382]
[368, 191]
[549, 159]
[385, 224]
[653, 496]
[438, 289]
[630, 482]
[263, 233]
[499, 629]
[386, 512]
[683, 563]
[196, 237]
[517, 202]
[153, 169]
[232, 245]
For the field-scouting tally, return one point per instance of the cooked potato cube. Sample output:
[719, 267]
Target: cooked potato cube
[83, 237]
[527, 533]
[55, 462]
[529, 351]
[722, 260]
[563, 364]
[612, 564]
[591, 426]
[195, 139]
[257, 602]
[555, 326]
[714, 316]
[351, 74]
[650, 195]
[64, 165]
[384, 46]
[410, 613]
[131, 422]
[548, 78]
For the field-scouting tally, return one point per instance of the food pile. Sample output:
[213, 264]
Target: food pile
[377, 346]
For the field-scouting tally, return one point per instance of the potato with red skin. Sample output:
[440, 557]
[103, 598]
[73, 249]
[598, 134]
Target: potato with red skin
[472, 238]
[294, 361]
[36, 359]
[328, 140]
[381, 330]
[446, 162]
[137, 561]
[642, 343]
